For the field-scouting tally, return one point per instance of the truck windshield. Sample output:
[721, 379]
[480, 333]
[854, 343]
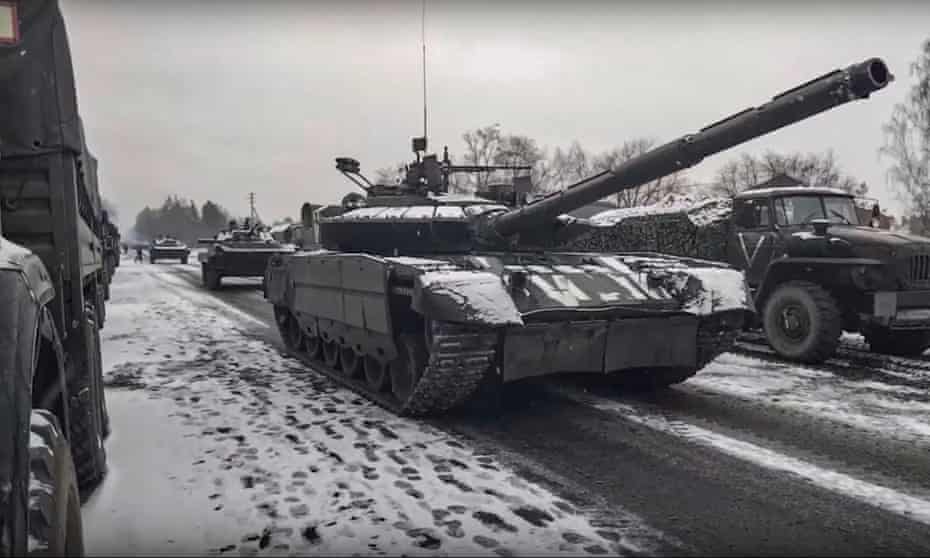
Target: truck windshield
[801, 210]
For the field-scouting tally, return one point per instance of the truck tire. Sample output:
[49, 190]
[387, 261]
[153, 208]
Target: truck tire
[87, 416]
[802, 322]
[54, 513]
[211, 278]
[897, 343]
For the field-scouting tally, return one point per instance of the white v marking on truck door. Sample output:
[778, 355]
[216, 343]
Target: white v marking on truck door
[742, 243]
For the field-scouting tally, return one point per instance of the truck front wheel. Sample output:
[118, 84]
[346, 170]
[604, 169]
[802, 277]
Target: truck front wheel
[802, 322]
[898, 343]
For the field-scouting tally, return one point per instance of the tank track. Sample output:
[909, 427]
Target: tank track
[459, 360]
[713, 341]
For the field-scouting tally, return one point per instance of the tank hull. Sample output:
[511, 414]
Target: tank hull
[500, 317]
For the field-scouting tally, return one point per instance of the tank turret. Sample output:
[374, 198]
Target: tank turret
[495, 218]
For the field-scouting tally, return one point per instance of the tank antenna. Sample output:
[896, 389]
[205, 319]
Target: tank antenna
[423, 42]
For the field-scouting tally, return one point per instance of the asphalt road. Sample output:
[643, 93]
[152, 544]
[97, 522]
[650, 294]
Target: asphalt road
[717, 473]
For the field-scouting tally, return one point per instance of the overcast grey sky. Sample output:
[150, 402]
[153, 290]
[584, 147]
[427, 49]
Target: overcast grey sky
[213, 99]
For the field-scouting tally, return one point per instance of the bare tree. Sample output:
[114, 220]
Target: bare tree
[481, 148]
[907, 144]
[517, 149]
[644, 194]
[812, 169]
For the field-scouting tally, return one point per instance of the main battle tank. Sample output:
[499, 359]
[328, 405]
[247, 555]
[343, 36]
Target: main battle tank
[240, 251]
[419, 296]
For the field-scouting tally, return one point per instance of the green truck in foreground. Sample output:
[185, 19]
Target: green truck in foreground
[53, 279]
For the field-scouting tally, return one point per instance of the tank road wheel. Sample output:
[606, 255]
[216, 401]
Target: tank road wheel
[331, 354]
[313, 345]
[376, 373]
[351, 362]
[407, 368]
[293, 336]
[802, 322]
[54, 513]
[897, 343]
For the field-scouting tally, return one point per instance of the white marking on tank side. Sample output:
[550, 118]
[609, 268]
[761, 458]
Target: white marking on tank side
[564, 298]
[565, 284]
[511, 267]
[888, 499]
[535, 268]
[610, 297]
[629, 285]
[482, 261]
[568, 269]
[615, 264]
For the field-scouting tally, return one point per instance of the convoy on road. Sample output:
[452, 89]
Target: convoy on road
[418, 298]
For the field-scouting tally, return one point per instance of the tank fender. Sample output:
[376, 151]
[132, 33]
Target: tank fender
[829, 272]
[276, 286]
[475, 297]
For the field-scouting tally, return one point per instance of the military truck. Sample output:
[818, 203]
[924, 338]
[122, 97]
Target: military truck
[817, 264]
[53, 417]
[168, 248]
[816, 270]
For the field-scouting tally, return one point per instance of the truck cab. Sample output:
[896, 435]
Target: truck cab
[815, 270]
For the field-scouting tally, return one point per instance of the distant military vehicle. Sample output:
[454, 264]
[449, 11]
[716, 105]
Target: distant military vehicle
[168, 248]
[240, 251]
[53, 416]
[418, 296]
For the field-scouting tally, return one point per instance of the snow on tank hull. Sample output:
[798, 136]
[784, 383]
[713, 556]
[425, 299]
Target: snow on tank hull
[420, 334]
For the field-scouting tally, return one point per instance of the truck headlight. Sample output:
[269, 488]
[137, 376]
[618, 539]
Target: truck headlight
[868, 277]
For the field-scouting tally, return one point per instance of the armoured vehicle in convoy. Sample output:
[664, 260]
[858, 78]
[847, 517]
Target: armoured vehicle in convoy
[240, 251]
[167, 248]
[53, 417]
[815, 270]
[417, 297]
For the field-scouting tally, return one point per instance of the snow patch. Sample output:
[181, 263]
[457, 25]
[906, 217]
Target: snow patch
[479, 294]
[700, 211]
[238, 448]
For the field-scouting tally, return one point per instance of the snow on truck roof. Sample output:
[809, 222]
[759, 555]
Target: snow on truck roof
[786, 190]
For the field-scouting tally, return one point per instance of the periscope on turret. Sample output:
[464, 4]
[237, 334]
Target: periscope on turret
[417, 297]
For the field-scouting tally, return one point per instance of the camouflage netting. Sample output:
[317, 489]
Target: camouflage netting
[676, 225]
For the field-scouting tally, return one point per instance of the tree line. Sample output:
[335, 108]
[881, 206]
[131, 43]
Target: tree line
[181, 219]
[563, 166]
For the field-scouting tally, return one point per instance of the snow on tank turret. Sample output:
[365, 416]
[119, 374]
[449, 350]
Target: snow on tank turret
[418, 296]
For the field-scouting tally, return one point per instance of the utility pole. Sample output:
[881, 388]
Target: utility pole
[253, 215]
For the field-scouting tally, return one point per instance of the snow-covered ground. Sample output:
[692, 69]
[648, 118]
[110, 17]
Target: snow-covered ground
[221, 444]
[894, 409]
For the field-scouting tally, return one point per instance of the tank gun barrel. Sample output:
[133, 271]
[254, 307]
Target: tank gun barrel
[828, 91]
